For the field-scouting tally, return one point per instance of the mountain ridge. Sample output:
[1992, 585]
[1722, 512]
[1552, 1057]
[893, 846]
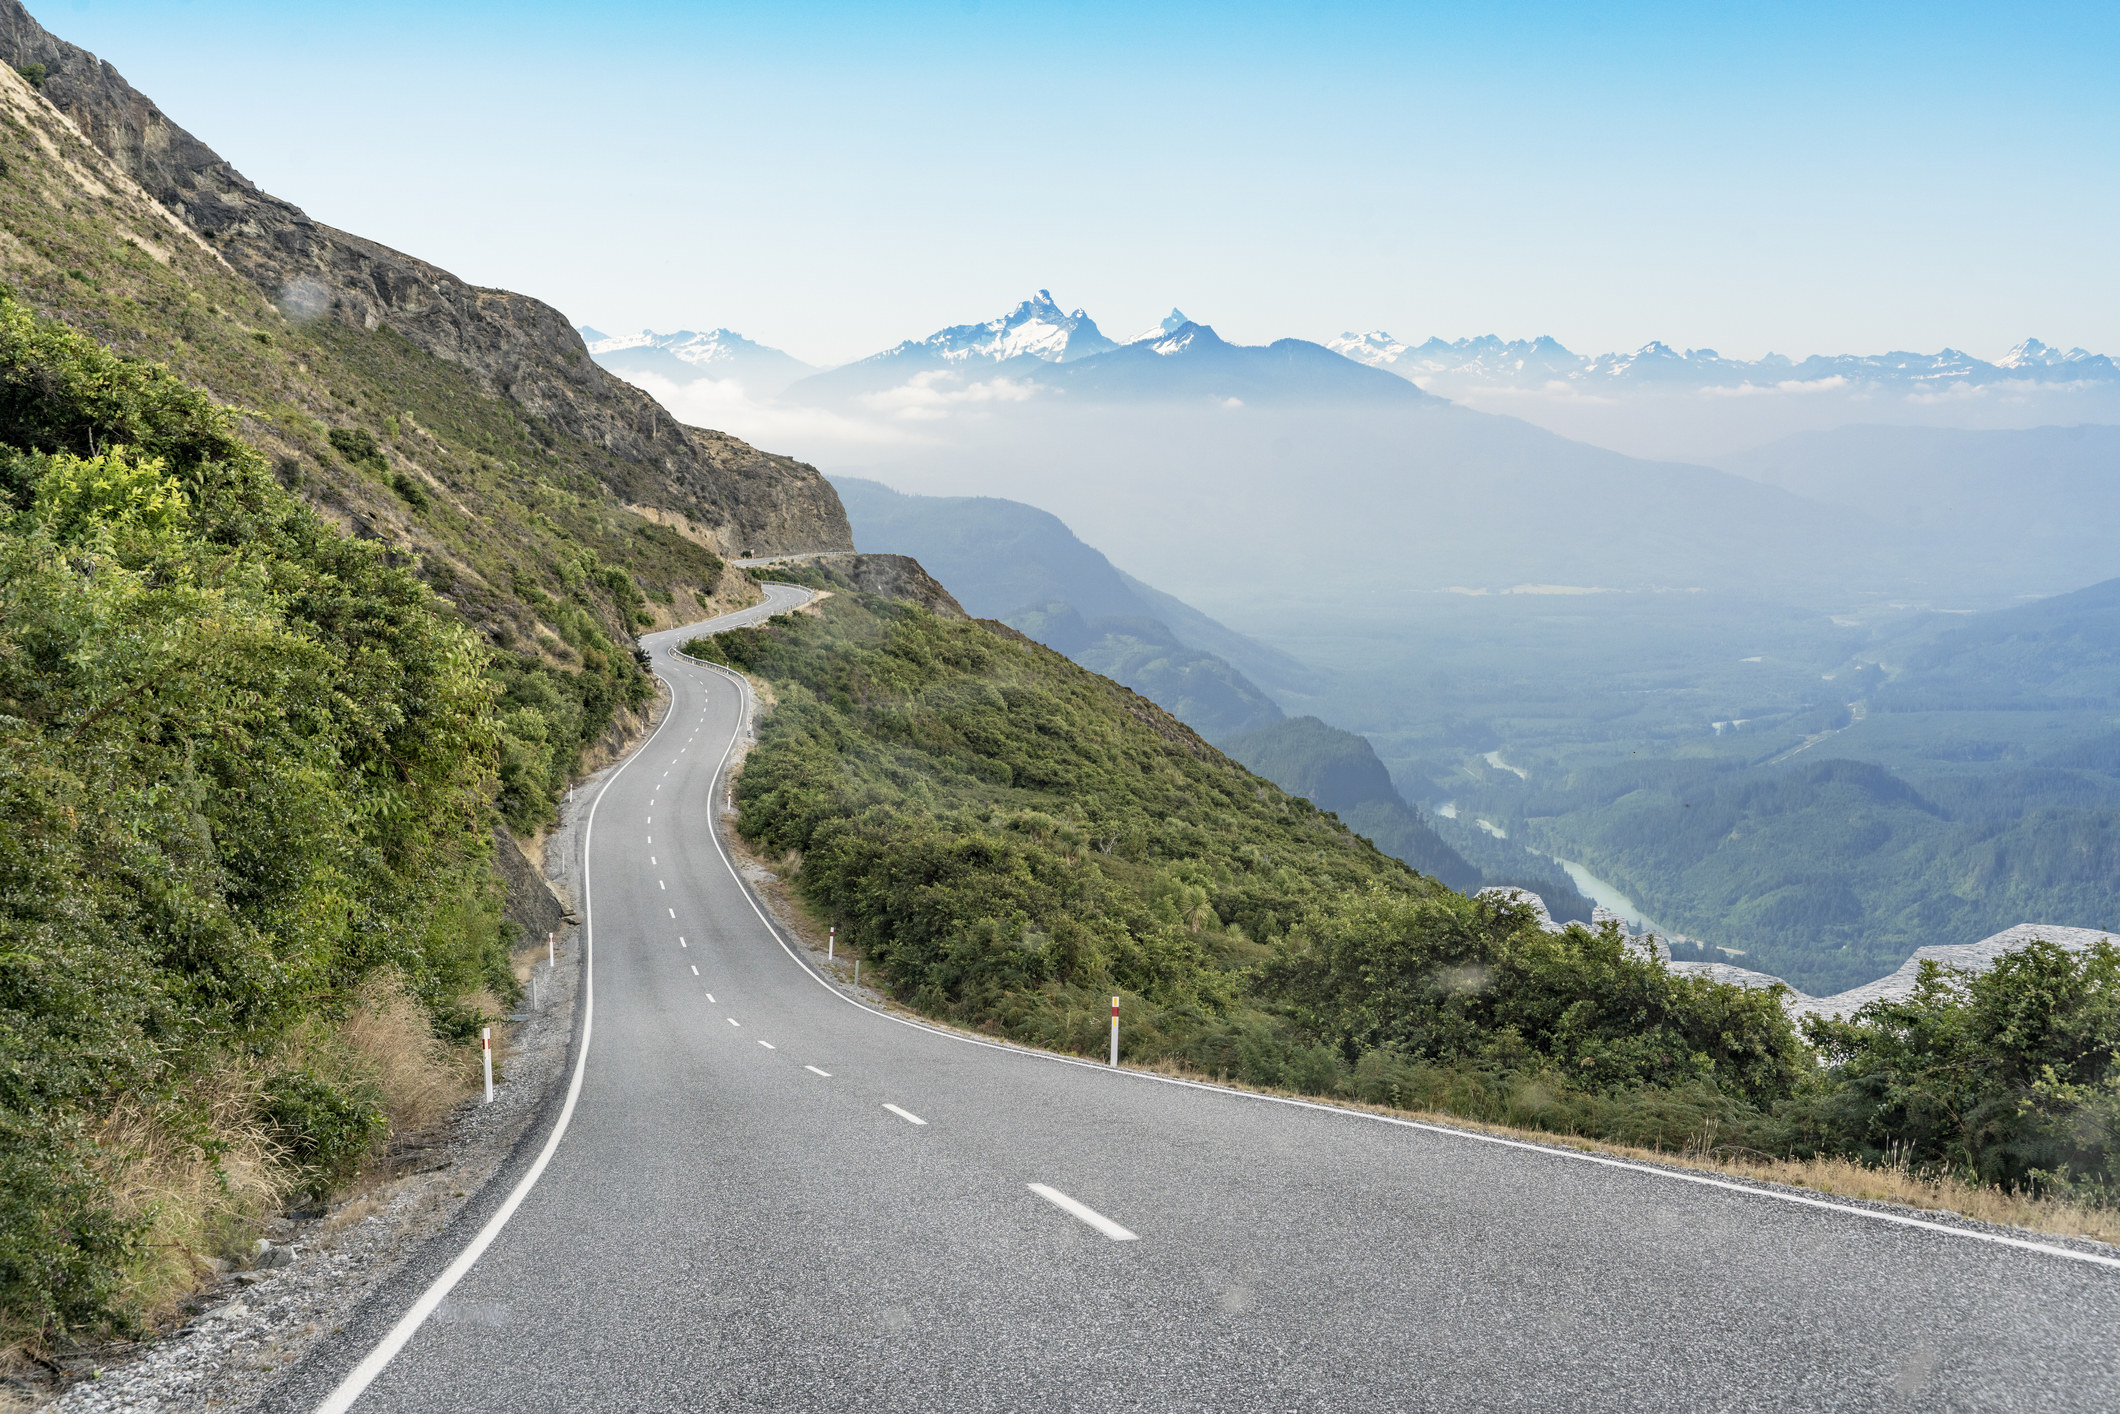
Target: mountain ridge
[511, 345]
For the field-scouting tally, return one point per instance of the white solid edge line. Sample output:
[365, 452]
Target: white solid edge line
[1550, 1150]
[362, 1375]
[1085, 1212]
[907, 1115]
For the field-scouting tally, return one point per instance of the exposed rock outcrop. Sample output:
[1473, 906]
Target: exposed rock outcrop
[513, 346]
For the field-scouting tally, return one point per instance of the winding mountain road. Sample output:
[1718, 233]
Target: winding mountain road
[768, 1196]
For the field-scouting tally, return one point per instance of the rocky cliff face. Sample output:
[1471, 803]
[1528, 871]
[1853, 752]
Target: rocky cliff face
[513, 346]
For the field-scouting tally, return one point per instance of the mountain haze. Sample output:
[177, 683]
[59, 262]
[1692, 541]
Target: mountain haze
[1015, 563]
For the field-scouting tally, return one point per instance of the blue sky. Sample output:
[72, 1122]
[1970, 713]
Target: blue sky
[831, 178]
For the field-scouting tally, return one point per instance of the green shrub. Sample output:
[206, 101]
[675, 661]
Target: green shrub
[1478, 982]
[359, 447]
[2009, 1076]
[34, 73]
[324, 1131]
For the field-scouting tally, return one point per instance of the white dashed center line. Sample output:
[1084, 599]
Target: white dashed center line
[673, 913]
[695, 969]
[907, 1115]
[680, 942]
[710, 996]
[651, 859]
[660, 884]
[815, 1071]
[734, 1022]
[1085, 1212]
[769, 1045]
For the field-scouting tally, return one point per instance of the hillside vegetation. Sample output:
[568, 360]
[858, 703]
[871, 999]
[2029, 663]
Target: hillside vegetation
[1010, 839]
[247, 768]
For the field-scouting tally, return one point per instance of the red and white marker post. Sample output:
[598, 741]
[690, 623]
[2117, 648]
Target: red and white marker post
[485, 1043]
[1115, 1030]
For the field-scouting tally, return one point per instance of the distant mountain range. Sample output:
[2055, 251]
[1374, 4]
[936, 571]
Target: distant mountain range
[1037, 346]
[1537, 363]
[1032, 341]
[685, 356]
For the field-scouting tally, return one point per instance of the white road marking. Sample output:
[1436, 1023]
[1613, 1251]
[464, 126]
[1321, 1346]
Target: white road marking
[907, 1115]
[815, 1071]
[695, 969]
[349, 1390]
[673, 913]
[660, 884]
[769, 1045]
[710, 996]
[651, 840]
[680, 942]
[1085, 1212]
[734, 1022]
[651, 859]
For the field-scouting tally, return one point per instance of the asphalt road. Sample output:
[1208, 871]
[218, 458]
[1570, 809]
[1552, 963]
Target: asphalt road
[768, 1197]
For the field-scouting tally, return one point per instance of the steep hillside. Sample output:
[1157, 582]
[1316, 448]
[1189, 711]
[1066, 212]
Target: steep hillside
[1339, 771]
[1015, 563]
[510, 348]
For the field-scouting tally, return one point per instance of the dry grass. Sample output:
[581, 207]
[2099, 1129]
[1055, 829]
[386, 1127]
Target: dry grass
[389, 1037]
[198, 1206]
[205, 1188]
[1840, 1178]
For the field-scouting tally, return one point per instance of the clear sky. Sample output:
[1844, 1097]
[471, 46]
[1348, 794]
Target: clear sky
[831, 178]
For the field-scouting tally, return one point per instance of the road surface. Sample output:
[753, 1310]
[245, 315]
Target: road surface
[767, 1197]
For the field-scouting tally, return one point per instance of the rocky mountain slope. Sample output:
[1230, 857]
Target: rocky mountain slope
[508, 346]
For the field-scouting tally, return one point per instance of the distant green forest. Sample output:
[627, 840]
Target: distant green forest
[1821, 795]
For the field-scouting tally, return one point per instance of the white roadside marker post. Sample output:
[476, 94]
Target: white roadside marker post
[1115, 1030]
[551, 952]
[831, 941]
[485, 1043]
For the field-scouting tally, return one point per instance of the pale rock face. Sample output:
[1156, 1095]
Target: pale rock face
[1964, 957]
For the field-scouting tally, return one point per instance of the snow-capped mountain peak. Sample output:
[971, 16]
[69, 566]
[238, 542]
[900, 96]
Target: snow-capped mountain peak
[1170, 324]
[714, 346]
[1037, 328]
[1375, 348]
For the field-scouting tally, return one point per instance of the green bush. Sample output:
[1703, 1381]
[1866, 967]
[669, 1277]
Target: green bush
[243, 763]
[2009, 1076]
[359, 447]
[1478, 982]
[325, 1132]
